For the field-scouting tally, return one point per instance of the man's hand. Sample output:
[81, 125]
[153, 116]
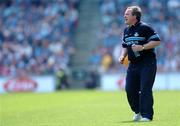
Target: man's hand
[124, 60]
[123, 55]
[121, 59]
[136, 48]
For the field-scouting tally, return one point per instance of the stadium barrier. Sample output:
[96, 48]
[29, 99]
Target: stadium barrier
[163, 81]
[108, 82]
[27, 84]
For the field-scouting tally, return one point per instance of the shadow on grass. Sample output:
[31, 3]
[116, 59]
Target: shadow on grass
[127, 121]
[130, 121]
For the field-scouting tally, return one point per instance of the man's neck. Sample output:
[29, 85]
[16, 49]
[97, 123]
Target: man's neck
[134, 23]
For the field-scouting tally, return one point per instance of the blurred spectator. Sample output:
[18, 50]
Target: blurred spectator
[92, 79]
[106, 61]
[62, 79]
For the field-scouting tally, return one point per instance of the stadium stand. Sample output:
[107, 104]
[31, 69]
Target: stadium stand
[36, 35]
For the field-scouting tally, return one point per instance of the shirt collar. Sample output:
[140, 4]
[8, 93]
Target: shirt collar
[136, 24]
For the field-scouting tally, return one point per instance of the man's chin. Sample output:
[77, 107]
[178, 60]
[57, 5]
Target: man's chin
[126, 23]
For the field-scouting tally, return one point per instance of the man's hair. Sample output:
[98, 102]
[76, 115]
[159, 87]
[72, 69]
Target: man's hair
[136, 11]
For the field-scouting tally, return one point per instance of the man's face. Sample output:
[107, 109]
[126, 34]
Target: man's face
[129, 18]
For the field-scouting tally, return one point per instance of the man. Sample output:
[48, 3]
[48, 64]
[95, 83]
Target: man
[139, 43]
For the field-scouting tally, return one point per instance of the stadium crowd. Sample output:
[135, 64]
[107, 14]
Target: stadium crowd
[36, 35]
[161, 14]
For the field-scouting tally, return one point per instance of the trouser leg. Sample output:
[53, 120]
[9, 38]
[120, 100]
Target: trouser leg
[132, 89]
[146, 95]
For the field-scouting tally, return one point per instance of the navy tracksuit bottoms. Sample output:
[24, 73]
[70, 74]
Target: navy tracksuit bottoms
[139, 83]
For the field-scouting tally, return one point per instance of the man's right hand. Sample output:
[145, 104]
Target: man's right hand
[121, 59]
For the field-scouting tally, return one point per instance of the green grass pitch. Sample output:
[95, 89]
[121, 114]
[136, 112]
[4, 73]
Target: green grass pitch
[83, 108]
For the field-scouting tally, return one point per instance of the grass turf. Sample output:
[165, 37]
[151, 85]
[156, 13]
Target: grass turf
[83, 108]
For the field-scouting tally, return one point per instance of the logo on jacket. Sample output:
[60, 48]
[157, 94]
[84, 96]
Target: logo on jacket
[136, 34]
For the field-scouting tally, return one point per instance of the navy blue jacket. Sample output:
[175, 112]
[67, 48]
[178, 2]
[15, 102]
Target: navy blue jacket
[139, 34]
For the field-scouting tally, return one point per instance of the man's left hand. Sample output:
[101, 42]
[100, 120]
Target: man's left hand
[136, 48]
